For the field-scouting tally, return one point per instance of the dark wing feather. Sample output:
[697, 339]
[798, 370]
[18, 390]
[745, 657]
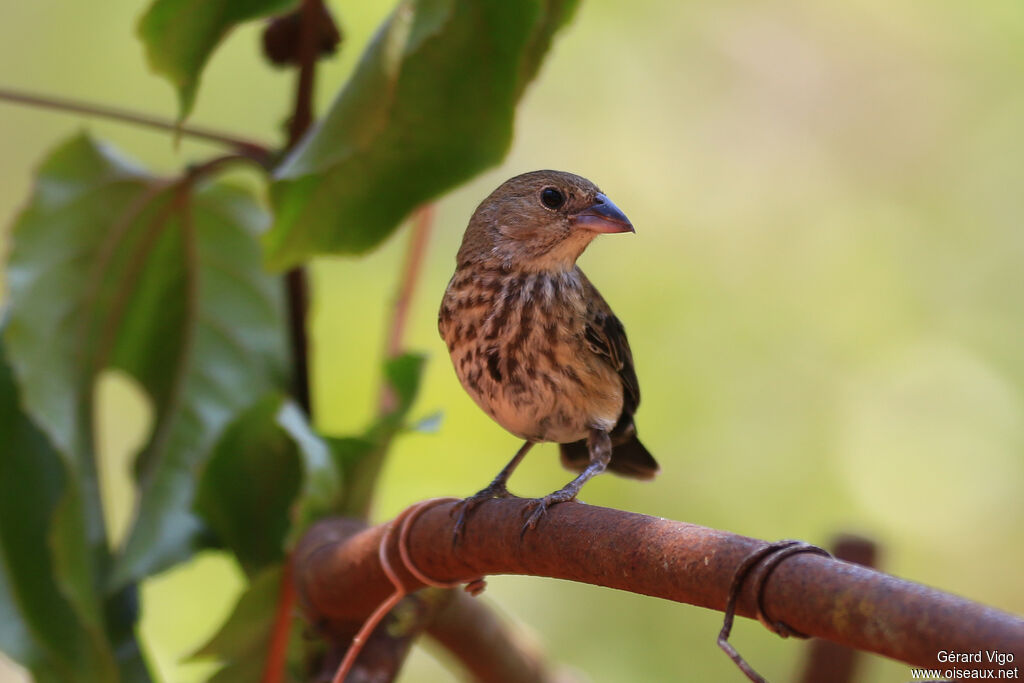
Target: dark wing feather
[607, 337]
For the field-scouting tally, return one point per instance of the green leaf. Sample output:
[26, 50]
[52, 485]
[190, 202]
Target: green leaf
[321, 489]
[180, 36]
[430, 104]
[15, 639]
[347, 451]
[39, 626]
[404, 374]
[248, 485]
[268, 474]
[242, 642]
[111, 267]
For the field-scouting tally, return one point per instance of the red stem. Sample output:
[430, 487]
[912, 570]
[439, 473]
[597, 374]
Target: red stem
[277, 654]
[423, 221]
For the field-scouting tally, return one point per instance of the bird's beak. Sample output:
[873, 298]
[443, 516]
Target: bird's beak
[603, 216]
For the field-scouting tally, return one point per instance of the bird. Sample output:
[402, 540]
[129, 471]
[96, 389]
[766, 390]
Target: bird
[534, 343]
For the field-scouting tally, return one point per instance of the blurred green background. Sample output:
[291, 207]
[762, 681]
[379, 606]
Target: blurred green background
[825, 294]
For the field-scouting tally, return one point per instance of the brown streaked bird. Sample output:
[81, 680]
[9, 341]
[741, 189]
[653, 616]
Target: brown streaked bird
[532, 340]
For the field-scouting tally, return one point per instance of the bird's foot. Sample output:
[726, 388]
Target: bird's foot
[466, 506]
[539, 507]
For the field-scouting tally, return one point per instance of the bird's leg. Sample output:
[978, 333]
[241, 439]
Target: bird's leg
[600, 445]
[496, 489]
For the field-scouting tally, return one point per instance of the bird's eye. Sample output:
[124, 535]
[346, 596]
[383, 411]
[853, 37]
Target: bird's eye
[552, 198]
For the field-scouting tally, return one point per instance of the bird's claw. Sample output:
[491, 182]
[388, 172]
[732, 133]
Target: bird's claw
[537, 510]
[465, 506]
[539, 507]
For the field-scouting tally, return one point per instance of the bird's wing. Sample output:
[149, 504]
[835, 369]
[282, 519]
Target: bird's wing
[606, 336]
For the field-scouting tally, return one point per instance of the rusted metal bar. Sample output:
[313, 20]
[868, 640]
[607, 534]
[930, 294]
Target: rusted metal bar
[339, 576]
[829, 662]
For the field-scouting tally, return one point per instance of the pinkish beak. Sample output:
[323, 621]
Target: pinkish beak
[602, 216]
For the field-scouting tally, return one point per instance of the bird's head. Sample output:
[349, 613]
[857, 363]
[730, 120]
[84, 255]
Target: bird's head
[539, 221]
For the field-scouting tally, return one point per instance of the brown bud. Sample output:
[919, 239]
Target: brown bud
[282, 36]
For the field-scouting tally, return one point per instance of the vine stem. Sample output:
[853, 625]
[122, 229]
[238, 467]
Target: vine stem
[296, 279]
[302, 112]
[248, 148]
[362, 480]
[423, 221]
[277, 652]
[296, 285]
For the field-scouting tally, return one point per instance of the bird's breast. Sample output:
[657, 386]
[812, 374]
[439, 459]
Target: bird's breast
[518, 346]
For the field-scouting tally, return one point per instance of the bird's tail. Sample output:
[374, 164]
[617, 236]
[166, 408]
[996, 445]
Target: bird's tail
[629, 458]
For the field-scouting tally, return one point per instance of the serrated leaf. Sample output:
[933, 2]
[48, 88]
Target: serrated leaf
[181, 35]
[111, 267]
[268, 477]
[430, 104]
[39, 626]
